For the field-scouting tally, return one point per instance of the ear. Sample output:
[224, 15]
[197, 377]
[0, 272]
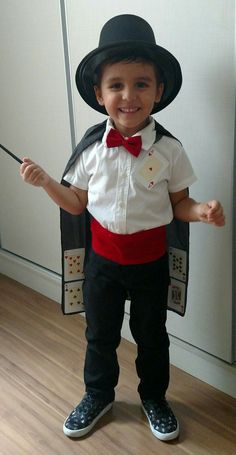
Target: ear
[98, 94]
[159, 92]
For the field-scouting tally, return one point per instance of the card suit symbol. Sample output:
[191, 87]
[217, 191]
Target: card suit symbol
[66, 257]
[150, 169]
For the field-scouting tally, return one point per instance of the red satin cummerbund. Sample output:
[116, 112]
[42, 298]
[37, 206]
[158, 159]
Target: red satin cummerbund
[138, 248]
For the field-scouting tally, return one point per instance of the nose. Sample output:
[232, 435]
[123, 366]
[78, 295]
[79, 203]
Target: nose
[129, 93]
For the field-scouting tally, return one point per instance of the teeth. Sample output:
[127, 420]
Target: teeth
[128, 110]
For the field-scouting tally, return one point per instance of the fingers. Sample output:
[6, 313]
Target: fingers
[215, 213]
[32, 173]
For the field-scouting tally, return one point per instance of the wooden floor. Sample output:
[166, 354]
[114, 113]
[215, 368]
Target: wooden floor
[41, 369]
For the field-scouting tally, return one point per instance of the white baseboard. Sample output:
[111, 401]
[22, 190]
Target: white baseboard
[31, 275]
[203, 366]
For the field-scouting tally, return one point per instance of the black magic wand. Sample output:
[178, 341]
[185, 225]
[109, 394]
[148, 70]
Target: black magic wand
[11, 154]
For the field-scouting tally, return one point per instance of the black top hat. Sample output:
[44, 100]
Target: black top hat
[127, 34]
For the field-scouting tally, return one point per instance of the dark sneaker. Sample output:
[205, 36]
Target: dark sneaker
[83, 418]
[162, 421]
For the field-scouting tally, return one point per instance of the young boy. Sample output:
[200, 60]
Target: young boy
[132, 184]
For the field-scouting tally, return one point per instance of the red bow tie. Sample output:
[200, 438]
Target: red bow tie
[132, 144]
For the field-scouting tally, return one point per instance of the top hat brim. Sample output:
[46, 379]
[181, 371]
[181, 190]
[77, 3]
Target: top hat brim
[164, 60]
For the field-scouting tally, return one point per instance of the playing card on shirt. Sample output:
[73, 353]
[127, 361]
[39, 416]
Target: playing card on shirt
[151, 168]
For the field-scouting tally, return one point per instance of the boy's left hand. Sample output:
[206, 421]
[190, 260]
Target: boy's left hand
[212, 213]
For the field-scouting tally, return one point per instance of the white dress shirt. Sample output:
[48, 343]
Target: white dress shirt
[128, 194]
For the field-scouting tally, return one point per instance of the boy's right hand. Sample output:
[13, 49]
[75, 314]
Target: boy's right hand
[33, 174]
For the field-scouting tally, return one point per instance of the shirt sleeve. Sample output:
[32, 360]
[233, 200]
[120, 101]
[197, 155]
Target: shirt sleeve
[77, 175]
[182, 174]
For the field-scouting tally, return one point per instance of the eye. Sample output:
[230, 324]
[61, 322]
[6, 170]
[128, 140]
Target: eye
[116, 86]
[142, 84]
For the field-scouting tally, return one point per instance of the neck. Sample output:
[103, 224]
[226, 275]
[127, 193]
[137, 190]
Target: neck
[126, 131]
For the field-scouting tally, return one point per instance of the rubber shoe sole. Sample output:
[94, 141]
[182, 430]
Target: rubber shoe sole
[158, 434]
[83, 431]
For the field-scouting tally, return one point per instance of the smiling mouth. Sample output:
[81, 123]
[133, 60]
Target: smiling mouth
[129, 110]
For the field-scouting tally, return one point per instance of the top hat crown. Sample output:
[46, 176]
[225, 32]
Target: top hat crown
[126, 27]
[128, 33]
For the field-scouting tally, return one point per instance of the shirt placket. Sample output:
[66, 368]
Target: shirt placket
[125, 161]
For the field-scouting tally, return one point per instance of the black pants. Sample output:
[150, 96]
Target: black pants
[105, 291]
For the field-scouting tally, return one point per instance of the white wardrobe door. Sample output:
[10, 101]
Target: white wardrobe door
[200, 34]
[34, 122]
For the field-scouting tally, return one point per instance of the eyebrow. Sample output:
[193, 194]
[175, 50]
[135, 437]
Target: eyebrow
[138, 78]
[114, 79]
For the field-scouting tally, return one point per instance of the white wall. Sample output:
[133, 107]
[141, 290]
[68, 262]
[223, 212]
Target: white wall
[35, 121]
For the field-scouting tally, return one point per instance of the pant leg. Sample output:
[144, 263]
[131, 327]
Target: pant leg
[147, 323]
[104, 301]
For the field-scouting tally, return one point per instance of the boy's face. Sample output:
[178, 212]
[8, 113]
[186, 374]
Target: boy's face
[128, 91]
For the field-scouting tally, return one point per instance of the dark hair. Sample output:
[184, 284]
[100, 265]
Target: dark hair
[128, 56]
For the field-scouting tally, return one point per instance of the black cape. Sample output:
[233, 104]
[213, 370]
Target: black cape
[76, 243]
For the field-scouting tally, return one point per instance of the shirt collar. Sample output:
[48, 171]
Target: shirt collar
[148, 133]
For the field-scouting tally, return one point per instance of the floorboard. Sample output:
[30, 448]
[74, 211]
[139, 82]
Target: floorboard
[41, 379]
